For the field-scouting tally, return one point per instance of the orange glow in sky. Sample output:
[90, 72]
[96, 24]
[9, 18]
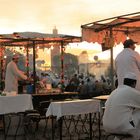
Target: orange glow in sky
[66, 15]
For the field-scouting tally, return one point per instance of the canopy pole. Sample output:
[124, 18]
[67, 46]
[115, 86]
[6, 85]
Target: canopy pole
[62, 66]
[27, 59]
[111, 61]
[34, 69]
[1, 68]
[2, 63]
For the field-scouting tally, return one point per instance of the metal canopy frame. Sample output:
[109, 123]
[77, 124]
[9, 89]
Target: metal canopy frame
[18, 40]
[5, 41]
[115, 28]
[114, 23]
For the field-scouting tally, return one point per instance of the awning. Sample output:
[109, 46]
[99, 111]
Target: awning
[120, 26]
[112, 30]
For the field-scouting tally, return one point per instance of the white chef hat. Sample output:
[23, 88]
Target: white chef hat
[15, 56]
[130, 75]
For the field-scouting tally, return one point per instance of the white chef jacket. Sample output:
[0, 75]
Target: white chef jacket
[12, 76]
[128, 61]
[121, 108]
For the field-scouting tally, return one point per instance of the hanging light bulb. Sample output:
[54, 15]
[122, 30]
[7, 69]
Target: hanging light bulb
[127, 38]
[37, 47]
[52, 47]
[5, 56]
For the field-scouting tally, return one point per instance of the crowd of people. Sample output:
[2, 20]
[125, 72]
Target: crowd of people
[88, 86]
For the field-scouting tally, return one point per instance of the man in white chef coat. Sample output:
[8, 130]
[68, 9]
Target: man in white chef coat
[122, 109]
[13, 74]
[128, 61]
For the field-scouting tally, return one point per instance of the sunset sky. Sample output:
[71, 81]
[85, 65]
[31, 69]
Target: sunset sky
[66, 15]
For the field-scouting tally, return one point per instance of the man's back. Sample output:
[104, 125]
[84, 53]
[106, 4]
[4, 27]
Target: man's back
[120, 109]
[127, 61]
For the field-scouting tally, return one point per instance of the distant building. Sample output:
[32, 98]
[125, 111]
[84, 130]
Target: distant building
[55, 50]
[55, 31]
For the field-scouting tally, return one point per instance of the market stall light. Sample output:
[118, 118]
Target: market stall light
[37, 47]
[5, 56]
[127, 37]
[48, 51]
[52, 47]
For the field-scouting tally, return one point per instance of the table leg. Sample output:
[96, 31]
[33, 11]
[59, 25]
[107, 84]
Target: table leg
[90, 125]
[52, 127]
[19, 123]
[60, 126]
[99, 121]
[4, 130]
[8, 127]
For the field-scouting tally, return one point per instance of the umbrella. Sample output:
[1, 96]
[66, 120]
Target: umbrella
[112, 30]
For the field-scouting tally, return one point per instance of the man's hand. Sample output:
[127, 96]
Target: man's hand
[30, 79]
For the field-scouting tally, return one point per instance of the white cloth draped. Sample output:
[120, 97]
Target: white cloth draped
[74, 107]
[15, 104]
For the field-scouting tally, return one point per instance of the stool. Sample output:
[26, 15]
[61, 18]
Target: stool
[120, 136]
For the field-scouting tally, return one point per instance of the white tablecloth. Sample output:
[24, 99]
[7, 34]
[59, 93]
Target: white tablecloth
[15, 104]
[74, 107]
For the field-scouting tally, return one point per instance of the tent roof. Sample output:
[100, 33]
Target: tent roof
[121, 26]
[115, 22]
[27, 38]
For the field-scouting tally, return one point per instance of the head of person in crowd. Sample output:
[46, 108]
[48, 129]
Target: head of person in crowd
[129, 43]
[130, 79]
[15, 58]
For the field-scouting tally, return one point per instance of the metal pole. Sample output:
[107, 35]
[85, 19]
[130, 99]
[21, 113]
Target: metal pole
[1, 65]
[34, 69]
[62, 65]
[90, 126]
[111, 61]
[2, 68]
[27, 54]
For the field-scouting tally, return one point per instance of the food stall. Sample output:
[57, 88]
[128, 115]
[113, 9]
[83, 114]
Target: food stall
[32, 41]
[111, 31]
